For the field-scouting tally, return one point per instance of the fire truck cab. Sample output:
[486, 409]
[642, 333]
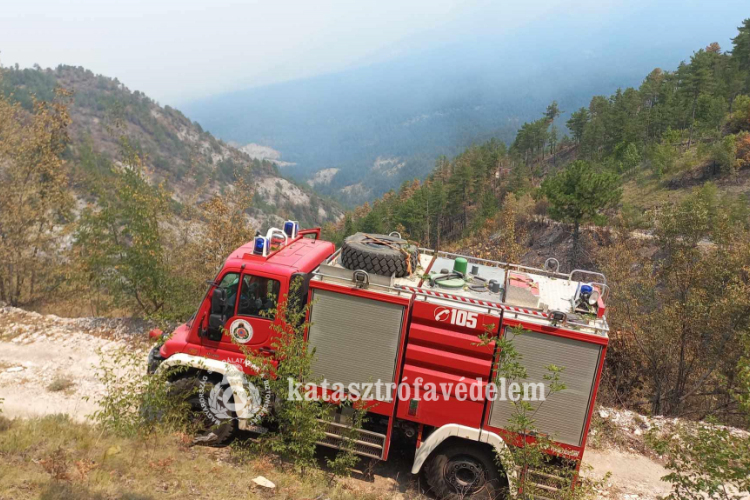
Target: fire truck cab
[411, 331]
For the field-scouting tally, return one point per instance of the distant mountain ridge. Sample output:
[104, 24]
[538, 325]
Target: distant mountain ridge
[177, 151]
[440, 100]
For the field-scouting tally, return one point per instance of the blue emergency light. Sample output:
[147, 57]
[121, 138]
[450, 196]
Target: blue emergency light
[290, 228]
[261, 246]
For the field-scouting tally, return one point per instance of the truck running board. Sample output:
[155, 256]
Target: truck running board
[367, 443]
[546, 486]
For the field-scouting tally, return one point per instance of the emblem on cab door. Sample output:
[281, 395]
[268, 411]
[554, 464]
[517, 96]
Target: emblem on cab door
[241, 331]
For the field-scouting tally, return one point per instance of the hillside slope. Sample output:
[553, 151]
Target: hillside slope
[677, 131]
[176, 150]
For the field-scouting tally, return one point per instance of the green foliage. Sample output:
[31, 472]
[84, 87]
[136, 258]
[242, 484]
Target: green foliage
[28, 85]
[577, 123]
[346, 458]
[135, 403]
[668, 112]
[35, 201]
[631, 158]
[741, 46]
[724, 155]
[705, 460]
[683, 316]
[297, 421]
[663, 155]
[532, 139]
[579, 194]
[458, 195]
[123, 248]
[741, 113]
[299, 424]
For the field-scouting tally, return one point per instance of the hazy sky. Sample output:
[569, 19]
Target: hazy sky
[178, 50]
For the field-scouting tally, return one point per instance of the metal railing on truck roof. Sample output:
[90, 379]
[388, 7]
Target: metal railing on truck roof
[529, 312]
[599, 279]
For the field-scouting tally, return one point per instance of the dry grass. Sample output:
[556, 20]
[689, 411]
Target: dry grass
[60, 384]
[55, 458]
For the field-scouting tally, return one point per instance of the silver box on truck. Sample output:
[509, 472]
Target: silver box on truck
[563, 416]
[355, 339]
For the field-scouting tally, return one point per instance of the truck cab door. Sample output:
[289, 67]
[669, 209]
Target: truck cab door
[248, 318]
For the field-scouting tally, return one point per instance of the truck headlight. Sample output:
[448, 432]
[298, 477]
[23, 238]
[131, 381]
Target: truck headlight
[154, 359]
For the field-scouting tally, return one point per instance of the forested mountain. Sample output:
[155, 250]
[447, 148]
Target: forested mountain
[389, 120]
[678, 129]
[176, 151]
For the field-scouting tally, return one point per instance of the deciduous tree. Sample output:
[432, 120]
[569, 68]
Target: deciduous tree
[35, 201]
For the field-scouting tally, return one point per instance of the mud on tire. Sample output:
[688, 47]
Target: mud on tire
[361, 251]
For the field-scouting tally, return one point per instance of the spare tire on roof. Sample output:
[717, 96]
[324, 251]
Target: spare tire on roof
[379, 254]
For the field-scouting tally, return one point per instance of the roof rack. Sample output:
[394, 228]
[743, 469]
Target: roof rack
[598, 278]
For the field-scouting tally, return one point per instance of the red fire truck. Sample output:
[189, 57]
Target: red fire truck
[381, 310]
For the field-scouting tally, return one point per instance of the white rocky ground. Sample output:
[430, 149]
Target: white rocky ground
[323, 177]
[36, 350]
[41, 354]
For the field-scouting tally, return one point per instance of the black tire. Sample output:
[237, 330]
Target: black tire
[206, 431]
[462, 471]
[359, 251]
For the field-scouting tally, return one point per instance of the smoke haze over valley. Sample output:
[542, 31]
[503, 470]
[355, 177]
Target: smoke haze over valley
[479, 76]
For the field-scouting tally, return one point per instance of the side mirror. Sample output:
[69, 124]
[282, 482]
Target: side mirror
[218, 301]
[217, 318]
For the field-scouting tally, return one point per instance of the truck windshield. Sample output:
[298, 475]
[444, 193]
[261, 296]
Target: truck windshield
[258, 296]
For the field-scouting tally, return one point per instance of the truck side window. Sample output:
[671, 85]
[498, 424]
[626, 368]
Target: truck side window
[230, 282]
[258, 296]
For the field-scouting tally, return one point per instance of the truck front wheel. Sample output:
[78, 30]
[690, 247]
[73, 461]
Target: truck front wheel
[463, 472]
[207, 428]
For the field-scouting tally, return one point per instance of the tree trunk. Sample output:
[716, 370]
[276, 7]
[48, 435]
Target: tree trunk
[692, 123]
[576, 241]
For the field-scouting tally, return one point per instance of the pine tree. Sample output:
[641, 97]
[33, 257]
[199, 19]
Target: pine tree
[553, 111]
[577, 123]
[579, 194]
[741, 46]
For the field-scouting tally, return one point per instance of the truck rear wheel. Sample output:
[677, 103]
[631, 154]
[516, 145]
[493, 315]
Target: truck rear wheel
[379, 254]
[207, 430]
[464, 471]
